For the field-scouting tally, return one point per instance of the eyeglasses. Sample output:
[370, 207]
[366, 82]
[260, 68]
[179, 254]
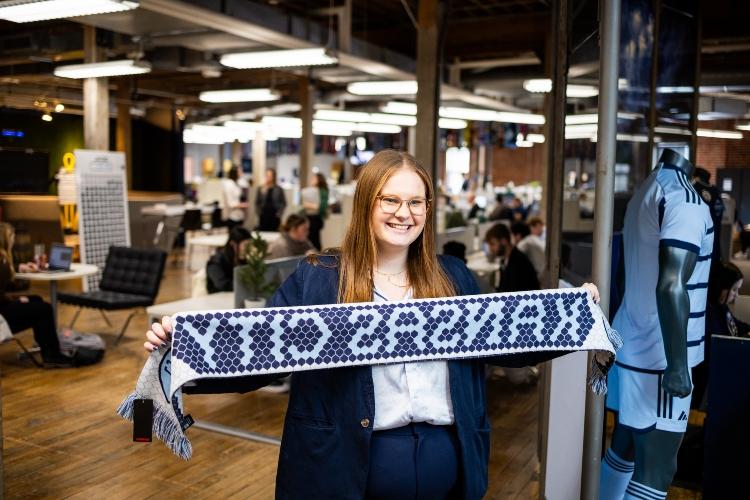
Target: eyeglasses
[392, 204]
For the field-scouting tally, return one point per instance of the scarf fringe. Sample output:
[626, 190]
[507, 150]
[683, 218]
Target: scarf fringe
[613, 336]
[598, 379]
[164, 427]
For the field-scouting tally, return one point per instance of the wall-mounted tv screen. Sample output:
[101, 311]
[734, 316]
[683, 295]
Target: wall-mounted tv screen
[24, 172]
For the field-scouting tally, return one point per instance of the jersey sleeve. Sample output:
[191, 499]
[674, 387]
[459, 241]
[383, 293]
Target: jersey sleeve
[681, 222]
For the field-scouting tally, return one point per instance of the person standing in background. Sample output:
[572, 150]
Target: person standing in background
[315, 205]
[710, 194]
[234, 209]
[270, 203]
[531, 243]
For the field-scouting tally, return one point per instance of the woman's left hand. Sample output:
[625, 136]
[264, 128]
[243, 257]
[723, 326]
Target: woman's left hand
[593, 290]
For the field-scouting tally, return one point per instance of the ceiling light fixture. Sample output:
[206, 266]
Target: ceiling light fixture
[452, 123]
[59, 107]
[538, 85]
[47, 117]
[536, 138]
[279, 58]
[340, 115]
[744, 126]
[581, 91]
[239, 95]
[402, 87]
[399, 108]
[544, 85]
[40, 10]
[473, 114]
[719, 134]
[524, 118]
[103, 69]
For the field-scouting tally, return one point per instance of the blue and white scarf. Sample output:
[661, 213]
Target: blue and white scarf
[233, 343]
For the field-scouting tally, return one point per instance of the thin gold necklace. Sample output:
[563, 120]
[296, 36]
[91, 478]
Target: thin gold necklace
[389, 276]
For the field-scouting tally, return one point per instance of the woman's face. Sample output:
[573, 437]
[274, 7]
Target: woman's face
[300, 233]
[398, 230]
[269, 178]
[734, 291]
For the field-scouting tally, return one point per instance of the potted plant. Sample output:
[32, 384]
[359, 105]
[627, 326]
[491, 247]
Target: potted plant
[253, 273]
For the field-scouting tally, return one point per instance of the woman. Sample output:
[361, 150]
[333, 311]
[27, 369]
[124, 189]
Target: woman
[30, 311]
[406, 430]
[270, 203]
[220, 267]
[234, 206]
[315, 204]
[293, 240]
[723, 287]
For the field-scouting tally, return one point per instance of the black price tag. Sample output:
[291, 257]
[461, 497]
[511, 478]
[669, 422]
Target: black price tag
[143, 420]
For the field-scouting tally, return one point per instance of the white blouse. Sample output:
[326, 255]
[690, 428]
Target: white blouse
[411, 392]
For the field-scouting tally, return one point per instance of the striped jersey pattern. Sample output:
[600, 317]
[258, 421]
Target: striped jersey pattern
[665, 211]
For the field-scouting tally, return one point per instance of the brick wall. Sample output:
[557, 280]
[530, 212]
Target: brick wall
[713, 154]
[519, 165]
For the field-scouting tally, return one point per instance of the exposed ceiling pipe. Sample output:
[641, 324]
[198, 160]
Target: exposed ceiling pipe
[257, 33]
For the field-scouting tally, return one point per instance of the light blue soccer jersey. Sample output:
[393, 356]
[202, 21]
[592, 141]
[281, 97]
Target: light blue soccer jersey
[664, 211]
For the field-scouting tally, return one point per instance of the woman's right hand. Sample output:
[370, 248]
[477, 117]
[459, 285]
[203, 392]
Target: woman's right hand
[159, 334]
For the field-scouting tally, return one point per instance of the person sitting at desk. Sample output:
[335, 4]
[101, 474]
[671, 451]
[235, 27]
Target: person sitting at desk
[31, 311]
[220, 267]
[517, 273]
[293, 240]
[723, 289]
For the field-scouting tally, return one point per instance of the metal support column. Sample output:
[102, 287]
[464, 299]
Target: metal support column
[307, 143]
[609, 33]
[428, 81]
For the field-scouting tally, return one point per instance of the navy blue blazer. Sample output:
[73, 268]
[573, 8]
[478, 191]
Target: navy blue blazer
[325, 448]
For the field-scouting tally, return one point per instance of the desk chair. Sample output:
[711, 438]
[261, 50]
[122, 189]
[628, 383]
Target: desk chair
[130, 280]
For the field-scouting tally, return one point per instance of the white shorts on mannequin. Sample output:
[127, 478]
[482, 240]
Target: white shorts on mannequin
[642, 404]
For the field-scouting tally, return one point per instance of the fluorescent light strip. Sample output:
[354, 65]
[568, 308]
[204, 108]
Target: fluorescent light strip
[544, 85]
[524, 118]
[31, 11]
[672, 130]
[744, 126]
[594, 117]
[103, 69]
[719, 134]
[473, 114]
[243, 126]
[400, 108]
[452, 123]
[389, 119]
[340, 115]
[536, 138]
[279, 58]
[581, 90]
[402, 87]
[239, 95]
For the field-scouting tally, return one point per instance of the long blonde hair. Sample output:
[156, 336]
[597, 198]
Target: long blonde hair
[6, 246]
[359, 250]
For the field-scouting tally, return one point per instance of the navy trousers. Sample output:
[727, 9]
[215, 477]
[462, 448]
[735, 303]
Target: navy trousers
[415, 462]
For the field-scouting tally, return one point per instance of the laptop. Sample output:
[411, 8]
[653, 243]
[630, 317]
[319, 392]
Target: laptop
[60, 258]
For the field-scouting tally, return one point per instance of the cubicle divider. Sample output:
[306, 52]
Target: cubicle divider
[463, 234]
[726, 459]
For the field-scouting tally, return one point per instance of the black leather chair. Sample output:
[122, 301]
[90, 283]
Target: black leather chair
[130, 279]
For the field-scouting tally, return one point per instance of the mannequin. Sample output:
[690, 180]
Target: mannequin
[668, 239]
